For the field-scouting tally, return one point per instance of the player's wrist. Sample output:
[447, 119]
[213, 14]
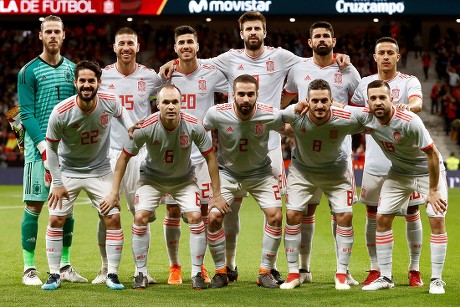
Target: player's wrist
[41, 147]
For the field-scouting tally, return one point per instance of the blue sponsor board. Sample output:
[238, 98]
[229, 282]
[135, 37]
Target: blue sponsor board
[313, 7]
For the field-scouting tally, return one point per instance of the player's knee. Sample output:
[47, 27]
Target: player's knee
[384, 222]
[371, 209]
[173, 211]
[275, 218]
[215, 221]
[412, 209]
[35, 206]
[344, 219]
[438, 225]
[113, 221]
[293, 217]
[141, 217]
[56, 221]
[193, 217]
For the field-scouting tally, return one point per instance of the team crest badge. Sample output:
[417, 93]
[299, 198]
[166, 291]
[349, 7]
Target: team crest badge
[334, 134]
[303, 130]
[68, 75]
[141, 86]
[260, 129]
[338, 78]
[395, 93]
[183, 140]
[202, 85]
[270, 65]
[104, 120]
[397, 136]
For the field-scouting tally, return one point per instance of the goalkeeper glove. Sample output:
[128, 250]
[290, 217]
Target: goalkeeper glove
[14, 119]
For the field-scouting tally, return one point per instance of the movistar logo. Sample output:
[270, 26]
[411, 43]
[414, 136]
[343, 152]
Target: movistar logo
[198, 6]
[364, 6]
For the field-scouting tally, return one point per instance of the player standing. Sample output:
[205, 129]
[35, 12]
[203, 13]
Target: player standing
[197, 83]
[343, 83]
[135, 85]
[406, 92]
[243, 130]
[78, 142]
[168, 136]
[319, 162]
[416, 165]
[42, 83]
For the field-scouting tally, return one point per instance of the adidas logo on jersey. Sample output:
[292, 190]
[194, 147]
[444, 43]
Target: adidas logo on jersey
[156, 142]
[241, 67]
[111, 87]
[307, 78]
[229, 129]
[75, 126]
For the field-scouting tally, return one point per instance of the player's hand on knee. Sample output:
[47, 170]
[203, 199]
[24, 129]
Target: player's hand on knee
[438, 204]
[109, 202]
[220, 204]
[55, 197]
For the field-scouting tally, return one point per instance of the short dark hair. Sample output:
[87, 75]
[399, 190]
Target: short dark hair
[378, 84]
[171, 86]
[387, 39]
[181, 30]
[245, 79]
[51, 18]
[91, 65]
[126, 30]
[318, 85]
[322, 24]
[252, 16]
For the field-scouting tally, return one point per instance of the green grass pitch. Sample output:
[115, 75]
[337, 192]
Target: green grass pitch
[85, 257]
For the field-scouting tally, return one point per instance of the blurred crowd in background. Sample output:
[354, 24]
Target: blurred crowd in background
[94, 41]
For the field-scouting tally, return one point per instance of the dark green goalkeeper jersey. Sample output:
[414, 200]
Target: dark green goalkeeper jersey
[40, 87]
